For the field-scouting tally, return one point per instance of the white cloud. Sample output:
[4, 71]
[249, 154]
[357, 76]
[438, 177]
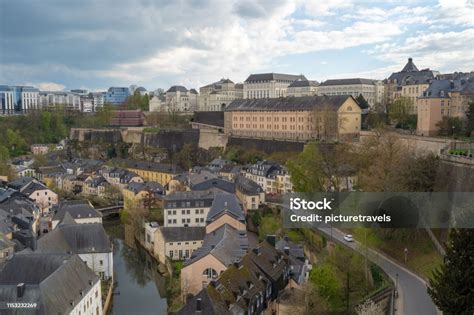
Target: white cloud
[50, 86]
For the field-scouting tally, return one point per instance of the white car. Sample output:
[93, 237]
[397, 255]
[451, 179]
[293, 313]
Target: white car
[348, 238]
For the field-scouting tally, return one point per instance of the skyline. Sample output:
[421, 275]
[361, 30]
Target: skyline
[193, 43]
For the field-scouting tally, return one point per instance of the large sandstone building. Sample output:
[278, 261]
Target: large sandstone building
[269, 85]
[371, 90]
[409, 83]
[216, 96]
[325, 118]
[443, 98]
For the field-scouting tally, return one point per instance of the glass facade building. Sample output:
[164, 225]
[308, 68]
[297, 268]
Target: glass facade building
[116, 95]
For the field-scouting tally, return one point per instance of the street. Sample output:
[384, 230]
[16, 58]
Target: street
[413, 297]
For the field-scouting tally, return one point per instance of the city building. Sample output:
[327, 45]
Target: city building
[98, 100]
[250, 194]
[371, 90]
[177, 243]
[143, 192]
[187, 208]
[298, 263]
[18, 213]
[225, 210]
[151, 171]
[303, 87]
[176, 99]
[119, 177]
[94, 185]
[269, 85]
[324, 118]
[59, 284]
[54, 99]
[116, 95]
[43, 197]
[81, 211]
[443, 98]
[219, 250]
[89, 241]
[216, 96]
[18, 99]
[409, 83]
[87, 104]
[272, 177]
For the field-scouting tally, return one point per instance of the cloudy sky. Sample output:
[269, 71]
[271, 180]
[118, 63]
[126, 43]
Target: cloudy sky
[56, 44]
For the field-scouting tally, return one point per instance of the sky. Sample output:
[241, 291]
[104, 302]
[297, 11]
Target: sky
[88, 44]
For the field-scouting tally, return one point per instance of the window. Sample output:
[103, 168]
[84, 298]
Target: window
[101, 262]
[210, 273]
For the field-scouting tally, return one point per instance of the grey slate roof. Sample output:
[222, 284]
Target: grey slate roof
[180, 198]
[15, 203]
[247, 186]
[441, 88]
[351, 81]
[226, 244]
[154, 187]
[208, 307]
[303, 83]
[181, 234]
[32, 187]
[76, 238]
[225, 204]
[274, 76]
[216, 184]
[55, 282]
[77, 209]
[410, 66]
[177, 88]
[20, 182]
[304, 103]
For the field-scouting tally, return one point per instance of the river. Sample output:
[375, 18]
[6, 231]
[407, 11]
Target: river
[137, 284]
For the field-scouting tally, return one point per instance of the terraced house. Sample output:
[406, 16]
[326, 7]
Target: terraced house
[324, 118]
[151, 171]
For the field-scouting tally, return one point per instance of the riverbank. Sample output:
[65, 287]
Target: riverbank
[138, 287]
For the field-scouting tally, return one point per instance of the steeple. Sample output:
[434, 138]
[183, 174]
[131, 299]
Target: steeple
[410, 66]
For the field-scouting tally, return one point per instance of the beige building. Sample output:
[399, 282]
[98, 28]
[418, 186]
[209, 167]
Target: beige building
[409, 82]
[177, 243]
[187, 208]
[444, 98]
[220, 249]
[43, 197]
[225, 210]
[371, 90]
[250, 194]
[176, 99]
[216, 96]
[269, 85]
[325, 118]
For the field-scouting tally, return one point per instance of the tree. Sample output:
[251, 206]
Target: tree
[363, 104]
[399, 111]
[307, 174]
[451, 285]
[450, 126]
[324, 278]
[470, 118]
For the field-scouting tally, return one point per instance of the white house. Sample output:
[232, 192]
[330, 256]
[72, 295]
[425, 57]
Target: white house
[89, 241]
[81, 211]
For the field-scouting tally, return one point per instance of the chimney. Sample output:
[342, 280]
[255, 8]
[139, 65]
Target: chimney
[410, 59]
[451, 84]
[286, 250]
[198, 305]
[20, 289]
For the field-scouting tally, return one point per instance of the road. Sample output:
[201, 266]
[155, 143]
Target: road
[413, 298]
